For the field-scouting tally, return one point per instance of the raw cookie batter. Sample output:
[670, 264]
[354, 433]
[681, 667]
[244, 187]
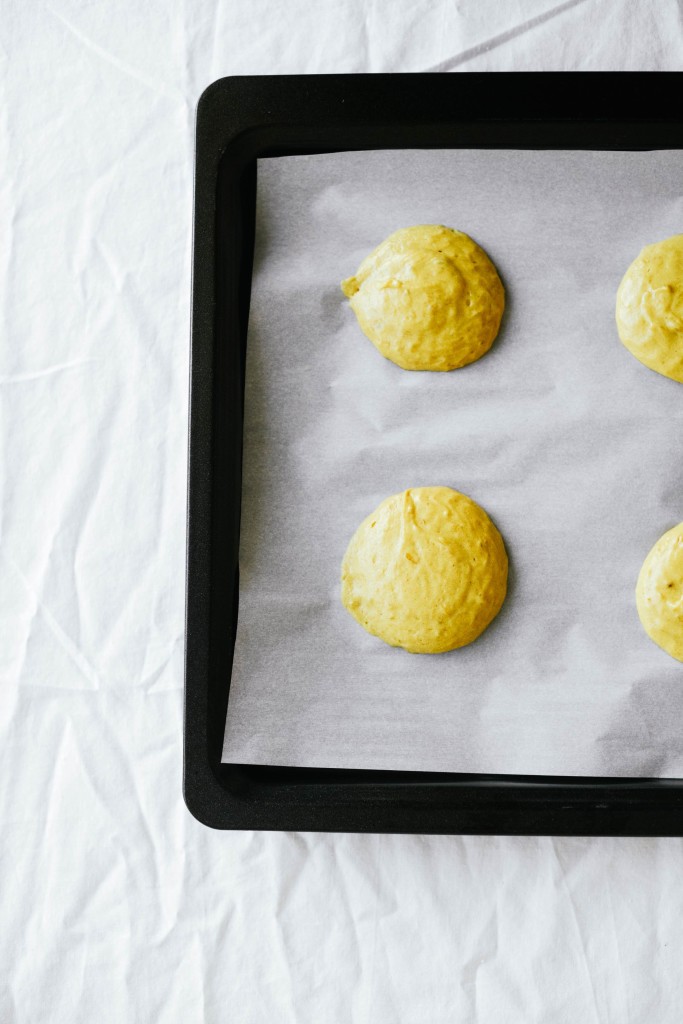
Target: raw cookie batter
[650, 307]
[659, 593]
[428, 298]
[426, 571]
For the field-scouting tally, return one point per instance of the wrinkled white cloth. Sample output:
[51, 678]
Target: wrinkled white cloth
[116, 904]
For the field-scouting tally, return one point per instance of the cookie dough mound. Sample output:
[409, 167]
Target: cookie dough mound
[650, 307]
[659, 593]
[428, 298]
[426, 571]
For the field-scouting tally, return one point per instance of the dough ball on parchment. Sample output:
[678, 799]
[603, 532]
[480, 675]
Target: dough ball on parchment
[650, 307]
[428, 297]
[659, 593]
[426, 571]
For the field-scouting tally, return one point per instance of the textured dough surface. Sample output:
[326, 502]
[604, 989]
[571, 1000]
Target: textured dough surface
[426, 571]
[650, 307]
[659, 593]
[428, 297]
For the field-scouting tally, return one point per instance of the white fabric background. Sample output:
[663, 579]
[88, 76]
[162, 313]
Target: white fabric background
[116, 905]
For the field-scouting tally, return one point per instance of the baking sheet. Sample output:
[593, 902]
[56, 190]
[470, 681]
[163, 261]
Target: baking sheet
[572, 446]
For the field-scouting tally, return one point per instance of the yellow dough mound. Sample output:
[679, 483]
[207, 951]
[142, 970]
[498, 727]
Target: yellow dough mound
[428, 298]
[426, 571]
[650, 307]
[659, 593]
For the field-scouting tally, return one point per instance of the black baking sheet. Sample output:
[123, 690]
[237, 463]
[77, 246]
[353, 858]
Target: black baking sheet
[240, 120]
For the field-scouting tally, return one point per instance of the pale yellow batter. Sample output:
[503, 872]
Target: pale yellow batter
[426, 571]
[428, 298]
[659, 593]
[650, 307]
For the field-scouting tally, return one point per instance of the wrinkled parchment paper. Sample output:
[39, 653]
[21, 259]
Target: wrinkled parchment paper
[572, 446]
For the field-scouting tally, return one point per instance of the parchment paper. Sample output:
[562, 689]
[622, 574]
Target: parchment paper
[572, 446]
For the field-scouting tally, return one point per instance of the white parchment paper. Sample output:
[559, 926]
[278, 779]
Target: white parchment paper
[572, 446]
